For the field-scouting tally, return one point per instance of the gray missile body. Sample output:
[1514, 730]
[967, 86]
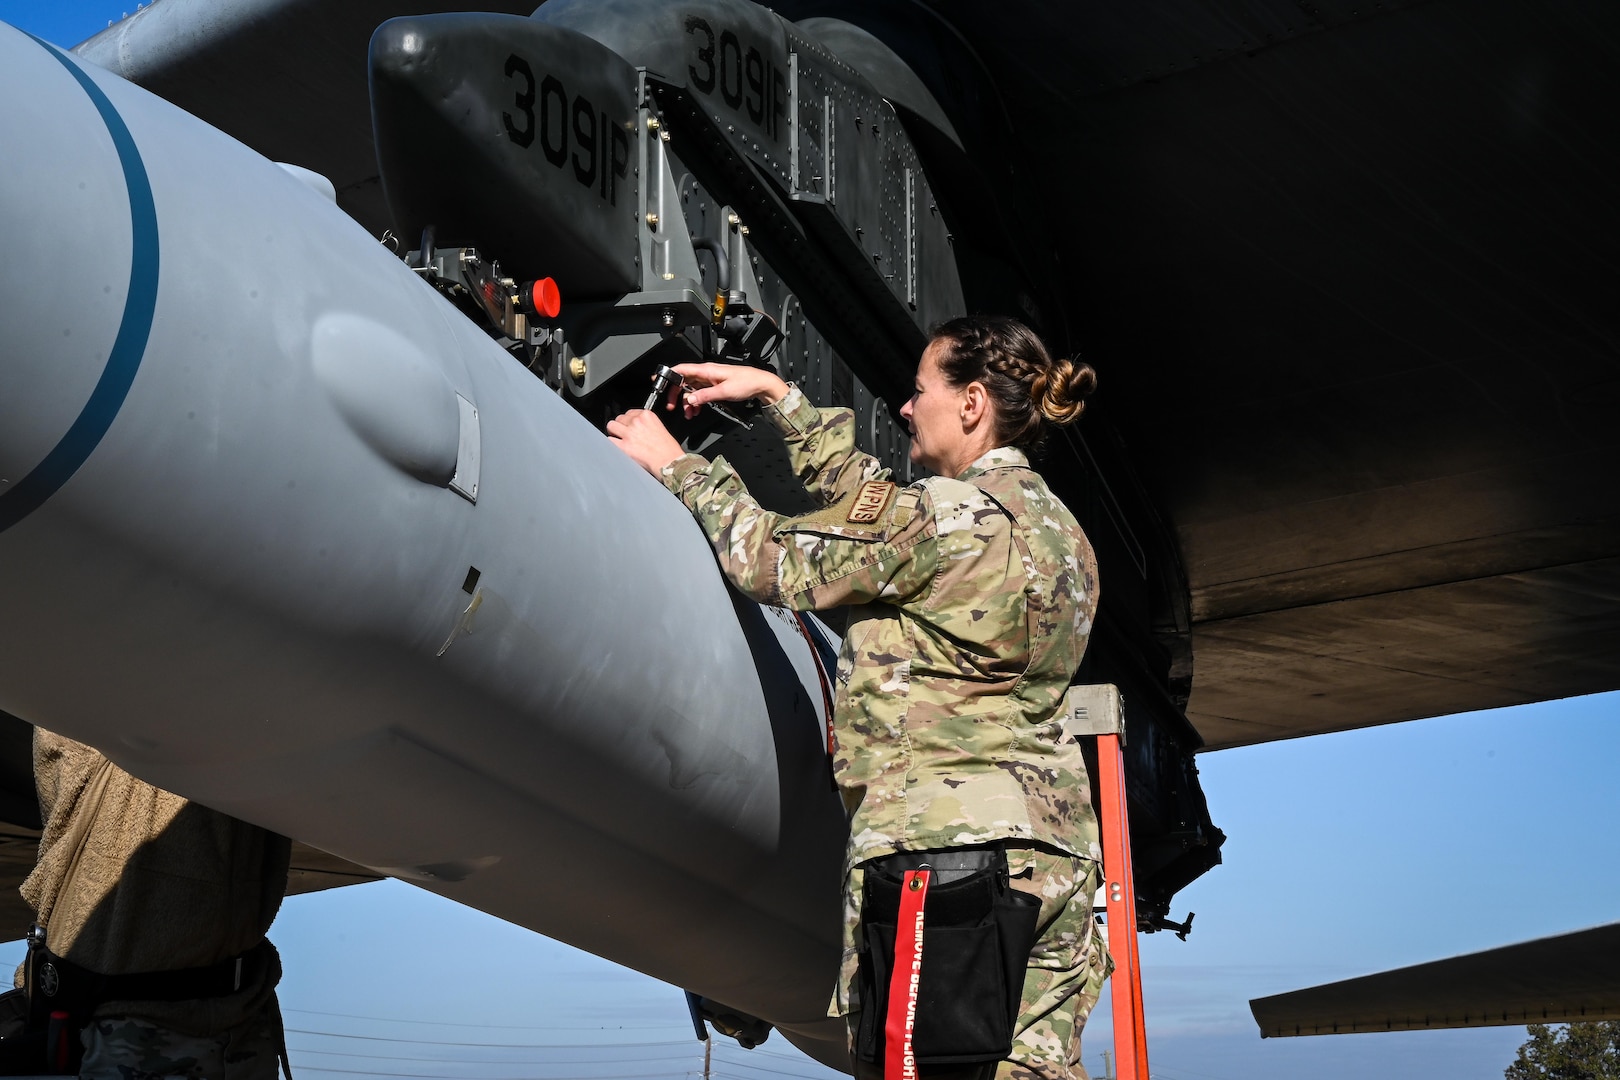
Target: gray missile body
[283, 532]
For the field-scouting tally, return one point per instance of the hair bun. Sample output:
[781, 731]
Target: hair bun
[1060, 391]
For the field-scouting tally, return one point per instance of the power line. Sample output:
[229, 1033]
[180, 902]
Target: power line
[743, 1072]
[761, 1050]
[483, 1045]
[451, 1023]
[465, 1058]
[762, 1068]
[745, 1067]
[751, 1064]
[1186, 1071]
[747, 1063]
[447, 1076]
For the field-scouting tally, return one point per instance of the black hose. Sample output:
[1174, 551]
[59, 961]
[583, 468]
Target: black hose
[722, 261]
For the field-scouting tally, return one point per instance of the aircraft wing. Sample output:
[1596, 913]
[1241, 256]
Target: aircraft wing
[1554, 980]
[1342, 269]
[312, 870]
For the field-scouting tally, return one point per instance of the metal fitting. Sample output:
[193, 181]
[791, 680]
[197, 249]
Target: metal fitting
[576, 368]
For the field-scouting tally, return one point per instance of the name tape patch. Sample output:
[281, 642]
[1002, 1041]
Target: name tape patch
[870, 502]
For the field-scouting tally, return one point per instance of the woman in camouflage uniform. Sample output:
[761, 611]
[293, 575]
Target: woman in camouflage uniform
[972, 594]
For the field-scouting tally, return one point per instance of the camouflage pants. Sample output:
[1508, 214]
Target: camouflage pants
[1064, 978]
[123, 1048]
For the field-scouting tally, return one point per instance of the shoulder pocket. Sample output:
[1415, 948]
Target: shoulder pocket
[873, 512]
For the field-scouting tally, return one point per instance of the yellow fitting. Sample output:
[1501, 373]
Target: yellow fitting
[719, 307]
[576, 368]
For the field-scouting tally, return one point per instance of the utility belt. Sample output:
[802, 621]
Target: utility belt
[945, 945]
[40, 1021]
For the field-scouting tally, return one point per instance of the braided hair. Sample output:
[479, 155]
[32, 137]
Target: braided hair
[1029, 388]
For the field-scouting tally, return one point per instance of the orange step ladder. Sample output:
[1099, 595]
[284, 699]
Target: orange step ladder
[1098, 710]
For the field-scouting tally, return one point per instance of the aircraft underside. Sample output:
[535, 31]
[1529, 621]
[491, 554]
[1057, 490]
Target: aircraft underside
[322, 531]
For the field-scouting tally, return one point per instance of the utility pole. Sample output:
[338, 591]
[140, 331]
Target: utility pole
[1108, 1066]
[708, 1045]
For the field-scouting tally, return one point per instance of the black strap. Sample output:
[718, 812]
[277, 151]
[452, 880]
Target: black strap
[281, 1044]
[948, 864]
[183, 984]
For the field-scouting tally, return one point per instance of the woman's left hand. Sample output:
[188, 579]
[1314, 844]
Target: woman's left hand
[643, 436]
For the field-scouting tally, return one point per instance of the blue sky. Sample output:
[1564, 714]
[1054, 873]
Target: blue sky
[1347, 854]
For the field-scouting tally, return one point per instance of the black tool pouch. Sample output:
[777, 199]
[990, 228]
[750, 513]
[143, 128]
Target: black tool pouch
[977, 935]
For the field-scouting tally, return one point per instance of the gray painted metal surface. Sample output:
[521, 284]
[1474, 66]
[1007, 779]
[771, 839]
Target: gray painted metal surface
[516, 137]
[1562, 979]
[848, 331]
[1342, 271]
[1334, 266]
[882, 66]
[811, 154]
[545, 703]
[848, 323]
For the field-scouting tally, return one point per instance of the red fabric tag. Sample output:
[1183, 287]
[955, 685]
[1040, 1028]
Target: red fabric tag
[899, 1061]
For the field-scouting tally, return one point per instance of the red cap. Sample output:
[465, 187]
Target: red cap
[545, 298]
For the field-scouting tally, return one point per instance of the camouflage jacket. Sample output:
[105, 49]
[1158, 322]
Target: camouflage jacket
[972, 599]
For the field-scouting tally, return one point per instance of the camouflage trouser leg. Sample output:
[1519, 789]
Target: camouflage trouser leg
[1066, 968]
[123, 1048]
[1062, 983]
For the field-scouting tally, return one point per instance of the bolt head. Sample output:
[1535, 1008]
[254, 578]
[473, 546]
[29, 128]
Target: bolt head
[576, 368]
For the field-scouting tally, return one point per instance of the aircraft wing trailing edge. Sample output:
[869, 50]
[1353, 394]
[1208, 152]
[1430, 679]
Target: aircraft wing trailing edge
[1553, 980]
[1340, 267]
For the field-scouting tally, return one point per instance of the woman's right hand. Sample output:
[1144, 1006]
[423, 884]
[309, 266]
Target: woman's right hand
[727, 382]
